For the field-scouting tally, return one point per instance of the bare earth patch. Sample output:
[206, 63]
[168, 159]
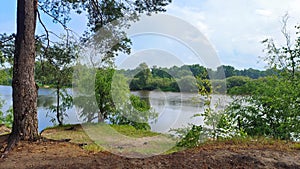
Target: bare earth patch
[227, 154]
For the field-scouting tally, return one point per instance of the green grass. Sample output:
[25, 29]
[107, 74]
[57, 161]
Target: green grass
[118, 138]
[296, 146]
[130, 131]
[127, 139]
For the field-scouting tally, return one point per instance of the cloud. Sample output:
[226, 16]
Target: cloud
[236, 27]
[263, 12]
[152, 57]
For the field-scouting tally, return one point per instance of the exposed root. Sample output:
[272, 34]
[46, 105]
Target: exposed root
[13, 140]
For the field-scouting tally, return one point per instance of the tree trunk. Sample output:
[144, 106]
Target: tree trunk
[100, 117]
[25, 125]
[58, 113]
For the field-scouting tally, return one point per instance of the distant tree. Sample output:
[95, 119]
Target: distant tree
[160, 72]
[199, 71]
[142, 78]
[224, 72]
[188, 84]
[236, 81]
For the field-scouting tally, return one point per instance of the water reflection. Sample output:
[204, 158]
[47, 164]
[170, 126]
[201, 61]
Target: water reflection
[174, 110]
[45, 101]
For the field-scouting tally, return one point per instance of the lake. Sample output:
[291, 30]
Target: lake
[175, 110]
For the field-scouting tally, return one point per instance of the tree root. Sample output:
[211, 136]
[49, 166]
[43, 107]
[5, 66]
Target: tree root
[13, 140]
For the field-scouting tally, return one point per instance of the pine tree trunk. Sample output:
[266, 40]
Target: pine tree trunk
[25, 125]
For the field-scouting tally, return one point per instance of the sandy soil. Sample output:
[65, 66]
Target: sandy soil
[52, 154]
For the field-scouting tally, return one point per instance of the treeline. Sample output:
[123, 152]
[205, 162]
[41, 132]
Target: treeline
[44, 76]
[197, 70]
[187, 78]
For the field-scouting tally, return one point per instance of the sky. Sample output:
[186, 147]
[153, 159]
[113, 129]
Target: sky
[233, 28]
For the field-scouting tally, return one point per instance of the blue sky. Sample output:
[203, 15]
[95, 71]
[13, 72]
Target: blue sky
[233, 27]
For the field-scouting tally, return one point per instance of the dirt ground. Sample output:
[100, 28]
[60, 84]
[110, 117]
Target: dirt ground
[53, 154]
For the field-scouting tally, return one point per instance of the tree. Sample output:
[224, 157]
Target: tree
[103, 93]
[57, 70]
[114, 102]
[129, 109]
[25, 126]
[142, 78]
[188, 84]
[24, 87]
[235, 82]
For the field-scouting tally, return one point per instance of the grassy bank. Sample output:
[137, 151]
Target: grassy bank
[118, 139]
[122, 139]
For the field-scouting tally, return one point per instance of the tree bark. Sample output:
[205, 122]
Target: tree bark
[25, 125]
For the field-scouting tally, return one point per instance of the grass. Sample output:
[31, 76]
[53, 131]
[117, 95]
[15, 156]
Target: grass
[251, 143]
[130, 131]
[296, 146]
[126, 139]
[114, 138]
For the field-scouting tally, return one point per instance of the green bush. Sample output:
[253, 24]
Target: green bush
[192, 138]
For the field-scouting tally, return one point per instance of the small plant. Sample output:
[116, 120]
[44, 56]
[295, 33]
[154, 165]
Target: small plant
[6, 118]
[192, 138]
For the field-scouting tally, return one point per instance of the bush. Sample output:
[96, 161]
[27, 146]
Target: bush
[192, 138]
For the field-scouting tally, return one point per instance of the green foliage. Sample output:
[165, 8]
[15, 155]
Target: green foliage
[7, 47]
[103, 83]
[54, 68]
[129, 109]
[142, 78]
[60, 109]
[270, 110]
[184, 78]
[236, 85]
[236, 81]
[7, 117]
[136, 113]
[5, 77]
[217, 124]
[102, 15]
[271, 106]
[192, 138]
[114, 102]
[132, 131]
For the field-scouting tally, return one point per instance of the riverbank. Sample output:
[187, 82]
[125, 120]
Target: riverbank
[248, 153]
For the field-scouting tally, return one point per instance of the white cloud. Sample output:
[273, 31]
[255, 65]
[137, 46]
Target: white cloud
[236, 27]
[263, 12]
